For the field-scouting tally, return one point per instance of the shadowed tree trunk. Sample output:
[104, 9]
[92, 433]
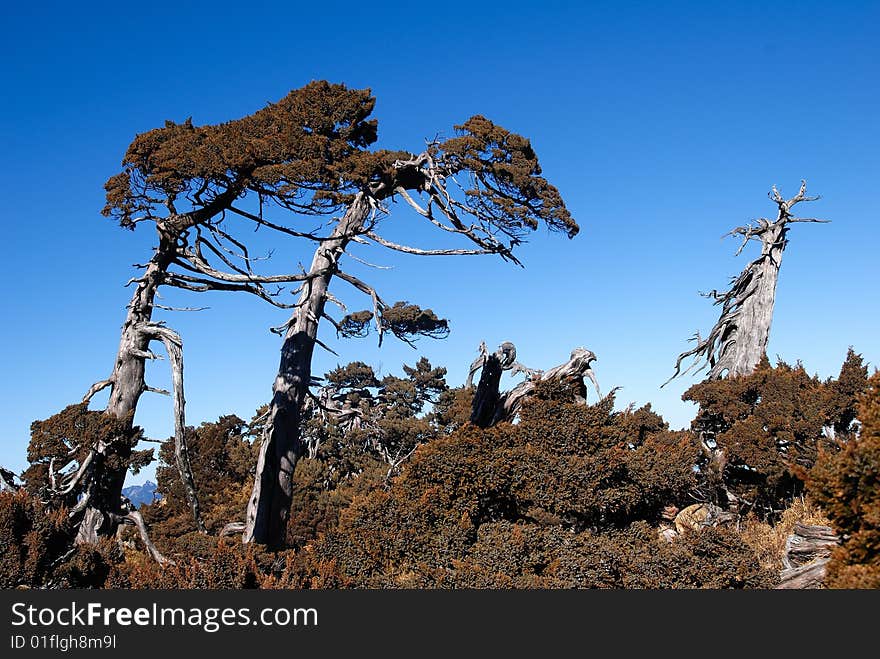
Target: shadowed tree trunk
[505, 197]
[738, 340]
[297, 155]
[269, 505]
[490, 406]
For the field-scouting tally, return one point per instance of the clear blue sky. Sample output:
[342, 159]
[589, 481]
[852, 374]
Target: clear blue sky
[662, 124]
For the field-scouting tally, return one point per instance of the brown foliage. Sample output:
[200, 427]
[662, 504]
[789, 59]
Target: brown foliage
[309, 142]
[215, 565]
[566, 498]
[769, 427]
[222, 458]
[68, 437]
[847, 485]
[507, 186]
[32, 539]
[351, 461]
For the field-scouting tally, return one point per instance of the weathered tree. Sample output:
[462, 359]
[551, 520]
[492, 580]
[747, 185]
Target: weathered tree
[505, 196]
[186, 180]
[490, 406]
[738, 341]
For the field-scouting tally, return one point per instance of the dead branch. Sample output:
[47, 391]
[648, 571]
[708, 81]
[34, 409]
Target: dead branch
[174, 348]
[95, 388]
[7, 480]
[490, 406]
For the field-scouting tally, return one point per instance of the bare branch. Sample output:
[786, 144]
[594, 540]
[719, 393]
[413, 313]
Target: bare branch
[135, 519]
[198, 284]
[326, 347]
[424, 212]
[378, 303]
[163, 307]
[367, 263]
[95, 388]
[194, 263]
[174, 347]
[426, 252]
[260, 221]
[331, 298]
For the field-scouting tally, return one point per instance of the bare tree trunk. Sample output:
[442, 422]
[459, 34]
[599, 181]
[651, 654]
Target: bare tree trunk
[738, 341]
[103, 490]
[744, 340]
[269, 506]
[807, 552]
[485, 403]
[490, 406]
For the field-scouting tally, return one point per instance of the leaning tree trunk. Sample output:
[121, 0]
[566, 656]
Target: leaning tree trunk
[102, 504]
[269, 505]
[744, 338]
[738, 341]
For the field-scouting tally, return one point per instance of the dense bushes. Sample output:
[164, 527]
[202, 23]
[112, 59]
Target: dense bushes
[567, 498]
[847, 485]
[222, 458]
[571, 496]
[35, 547]
[31, 539]
[764, 431]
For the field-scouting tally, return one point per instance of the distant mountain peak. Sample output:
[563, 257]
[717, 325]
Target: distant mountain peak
[141, 495]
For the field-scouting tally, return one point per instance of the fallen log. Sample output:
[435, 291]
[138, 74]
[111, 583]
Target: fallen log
[807, 552]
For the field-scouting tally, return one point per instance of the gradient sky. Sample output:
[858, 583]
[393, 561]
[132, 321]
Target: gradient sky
[663, 125]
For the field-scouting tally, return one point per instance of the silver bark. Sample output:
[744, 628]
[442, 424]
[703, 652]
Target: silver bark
[738, 341]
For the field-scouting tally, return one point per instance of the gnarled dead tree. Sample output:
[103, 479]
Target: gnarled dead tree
[490, 406]
[7, 480]
[188, 180]
[501, 197]
[738, 341]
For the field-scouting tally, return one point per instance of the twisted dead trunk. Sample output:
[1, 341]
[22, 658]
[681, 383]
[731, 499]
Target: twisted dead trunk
[269, 505]
[738, 341]
[744, 338]
[490, 406]
[102, 503]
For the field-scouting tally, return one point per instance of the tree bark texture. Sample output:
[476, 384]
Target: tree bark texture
[807, 552]
[490, 406]
[738, 341]
[103, 490]
[269, 505]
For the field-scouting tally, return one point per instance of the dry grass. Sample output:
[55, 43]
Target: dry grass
[768, 542]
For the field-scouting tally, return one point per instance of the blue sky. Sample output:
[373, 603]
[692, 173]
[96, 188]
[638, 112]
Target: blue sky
[662, 125]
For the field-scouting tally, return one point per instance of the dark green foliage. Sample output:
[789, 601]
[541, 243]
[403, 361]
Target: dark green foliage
[847, 486]
[350, 460]
[453, 409]
[355, 325]
[356, 376]
[769, 427]
[406, 321]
